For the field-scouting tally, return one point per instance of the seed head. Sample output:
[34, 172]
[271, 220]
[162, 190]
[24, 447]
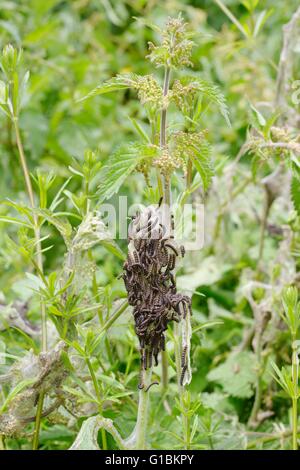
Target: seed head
[175, 49]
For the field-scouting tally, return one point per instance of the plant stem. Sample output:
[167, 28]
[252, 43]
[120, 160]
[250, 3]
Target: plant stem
[165, 191]
[163, 140]
[164, 370]
[39, 411]
[295, 370]
[99, 398]
[295, 422]
[39, 260]
[99, 309]
[23, 162]
[177, 352]
[142, 418]
[185, 418]
[114, 317]
[163, 122]
[36, 227]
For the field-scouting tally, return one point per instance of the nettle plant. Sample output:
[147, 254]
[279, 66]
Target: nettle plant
[152, 252]
[64, 374]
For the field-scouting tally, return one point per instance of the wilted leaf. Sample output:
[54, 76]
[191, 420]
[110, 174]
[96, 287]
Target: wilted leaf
[88, 434]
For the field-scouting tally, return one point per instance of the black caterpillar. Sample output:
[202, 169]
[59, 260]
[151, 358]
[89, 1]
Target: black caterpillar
[150, 283]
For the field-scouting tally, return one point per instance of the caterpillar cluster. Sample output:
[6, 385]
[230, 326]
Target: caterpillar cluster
[150, 282]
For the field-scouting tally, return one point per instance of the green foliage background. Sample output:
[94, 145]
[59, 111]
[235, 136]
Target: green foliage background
[69, 48]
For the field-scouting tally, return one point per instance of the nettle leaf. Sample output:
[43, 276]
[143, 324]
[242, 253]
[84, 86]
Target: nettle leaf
[120, 82]
[147, 87]
[295, 194]
[236, 375]
[214, 94]
[190, 86]
[193, 146]
[121, 165]
[201, 159]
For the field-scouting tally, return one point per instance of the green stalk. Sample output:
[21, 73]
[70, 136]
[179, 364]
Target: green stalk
[105, 326]
[141, 425]
[185, 418]
[165, 191]
[36, 227]
[295, 389]
[163, 122]
[142, 419]
[114, 317]
[99, 398]
[99, 310]
[39, 411]
[177, 351]
[39, 260]
[295, 422]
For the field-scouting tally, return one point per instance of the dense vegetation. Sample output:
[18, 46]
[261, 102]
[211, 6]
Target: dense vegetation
[188, 101]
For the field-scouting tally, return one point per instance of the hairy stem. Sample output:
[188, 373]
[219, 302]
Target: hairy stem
[185, 418]
[165, 191]
[99, 398]
[295, 371]
[295, 422]
[164, 370]
[39, 258]
[163, 122]
[163, 132]
[142, 418]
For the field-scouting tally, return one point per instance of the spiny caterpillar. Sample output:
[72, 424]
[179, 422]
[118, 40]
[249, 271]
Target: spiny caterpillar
[150, 282]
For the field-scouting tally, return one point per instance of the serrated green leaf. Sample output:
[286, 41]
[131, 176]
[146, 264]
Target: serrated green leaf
[120, 82]
[201, 159]
[295, 194]
[121, 165]
[214, 94]
[211, 92]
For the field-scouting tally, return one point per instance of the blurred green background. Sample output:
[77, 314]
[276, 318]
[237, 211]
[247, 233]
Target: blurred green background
[69, 48]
